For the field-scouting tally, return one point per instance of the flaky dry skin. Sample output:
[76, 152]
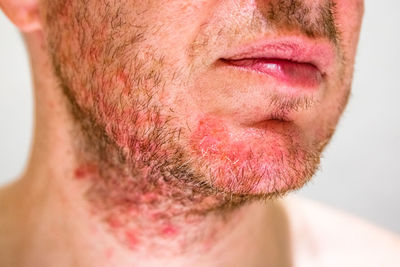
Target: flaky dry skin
[163, 136]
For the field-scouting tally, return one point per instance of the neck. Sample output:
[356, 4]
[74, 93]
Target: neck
[71, 218]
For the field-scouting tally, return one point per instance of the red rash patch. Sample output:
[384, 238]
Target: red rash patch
[248, 160]
[131, 239]
[169, 230]
[122, 76]
[114, 222]
[85, 170]
[123, 80]
[212, 140]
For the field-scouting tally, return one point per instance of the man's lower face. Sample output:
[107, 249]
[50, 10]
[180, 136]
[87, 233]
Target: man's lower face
[233, 97]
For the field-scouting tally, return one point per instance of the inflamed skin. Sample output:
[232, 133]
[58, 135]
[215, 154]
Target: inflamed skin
[168, 131]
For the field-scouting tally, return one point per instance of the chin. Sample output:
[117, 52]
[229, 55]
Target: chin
[268, 160]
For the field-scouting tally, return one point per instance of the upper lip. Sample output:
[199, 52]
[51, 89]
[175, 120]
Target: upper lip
[321, 54]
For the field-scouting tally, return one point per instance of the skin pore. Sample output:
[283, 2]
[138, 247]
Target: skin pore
[148, 152]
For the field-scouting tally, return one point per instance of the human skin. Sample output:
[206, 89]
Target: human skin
[161, 145]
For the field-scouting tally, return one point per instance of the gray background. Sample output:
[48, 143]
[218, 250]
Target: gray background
[360, 171]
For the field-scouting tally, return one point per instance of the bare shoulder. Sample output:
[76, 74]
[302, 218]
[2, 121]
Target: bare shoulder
[329, 237]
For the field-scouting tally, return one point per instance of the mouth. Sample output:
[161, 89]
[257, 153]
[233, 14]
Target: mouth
[301, 74]
[294, 61]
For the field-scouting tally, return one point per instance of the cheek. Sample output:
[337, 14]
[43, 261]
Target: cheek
[349, 16]
[324, 120]
[323, 124]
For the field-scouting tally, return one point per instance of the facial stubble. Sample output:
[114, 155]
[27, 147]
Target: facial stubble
[138, 164]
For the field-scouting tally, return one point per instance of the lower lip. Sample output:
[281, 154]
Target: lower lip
[290, 72]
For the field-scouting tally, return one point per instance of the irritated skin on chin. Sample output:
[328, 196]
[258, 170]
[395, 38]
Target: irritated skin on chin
[251, 162]
[154, 170]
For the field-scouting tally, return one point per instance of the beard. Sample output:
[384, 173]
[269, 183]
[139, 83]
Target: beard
[134, 144]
